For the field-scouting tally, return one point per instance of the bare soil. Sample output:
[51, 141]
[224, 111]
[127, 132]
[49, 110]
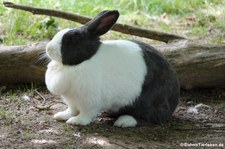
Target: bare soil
[26, 120]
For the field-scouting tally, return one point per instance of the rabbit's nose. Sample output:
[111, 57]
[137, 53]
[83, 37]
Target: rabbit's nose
[53, 51]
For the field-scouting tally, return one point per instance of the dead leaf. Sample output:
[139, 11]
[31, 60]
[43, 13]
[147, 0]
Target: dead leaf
[164, 18]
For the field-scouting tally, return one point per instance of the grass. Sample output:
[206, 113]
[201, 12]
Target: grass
[20, 27]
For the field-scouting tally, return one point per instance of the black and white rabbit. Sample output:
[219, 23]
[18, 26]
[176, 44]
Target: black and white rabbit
[128, 78]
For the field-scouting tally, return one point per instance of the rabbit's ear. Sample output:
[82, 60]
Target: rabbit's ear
[102, 22]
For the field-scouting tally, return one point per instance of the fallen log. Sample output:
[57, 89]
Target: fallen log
[21, 64]
[197, 66]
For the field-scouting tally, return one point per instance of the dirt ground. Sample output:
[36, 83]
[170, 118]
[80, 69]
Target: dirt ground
[26, 120]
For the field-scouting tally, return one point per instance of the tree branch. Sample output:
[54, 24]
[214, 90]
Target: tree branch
[123, 28]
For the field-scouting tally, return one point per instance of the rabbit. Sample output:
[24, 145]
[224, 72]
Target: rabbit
[129, 79]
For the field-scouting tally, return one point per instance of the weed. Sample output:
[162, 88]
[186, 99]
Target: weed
[66, 128]
[7, 116]
[3, 114]
[12, 97]
[30, 89]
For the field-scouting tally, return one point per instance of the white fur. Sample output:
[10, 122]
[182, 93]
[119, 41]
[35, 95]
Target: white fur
[65, 115]
[111, 79]
[53, 47]
[125, 121]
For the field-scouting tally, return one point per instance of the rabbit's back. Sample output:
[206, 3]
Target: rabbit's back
[160, 90]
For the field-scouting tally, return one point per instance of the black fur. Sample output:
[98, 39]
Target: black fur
[77, 46]
[160, 91]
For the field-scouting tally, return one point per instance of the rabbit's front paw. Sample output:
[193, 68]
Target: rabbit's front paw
[79, 120]
[64, 115]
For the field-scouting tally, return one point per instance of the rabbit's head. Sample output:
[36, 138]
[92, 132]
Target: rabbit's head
[73, 46]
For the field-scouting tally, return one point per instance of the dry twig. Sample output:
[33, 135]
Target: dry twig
[41, 96]
[43, 107]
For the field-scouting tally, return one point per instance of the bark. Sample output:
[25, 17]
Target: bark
[123, 28]
[197, 66]
[21, 64]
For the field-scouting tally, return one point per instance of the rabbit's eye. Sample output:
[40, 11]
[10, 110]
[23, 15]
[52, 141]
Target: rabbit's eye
[71, 37]
[74, 39]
